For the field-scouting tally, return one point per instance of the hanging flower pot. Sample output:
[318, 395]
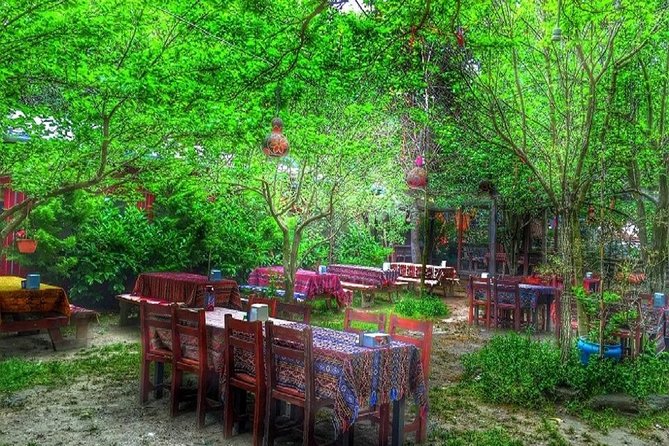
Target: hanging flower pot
[417, 177]
[276, 145]
[26, 245]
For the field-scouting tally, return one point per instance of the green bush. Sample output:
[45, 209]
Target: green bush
[514, 369]
[429, 307]
[645, 375]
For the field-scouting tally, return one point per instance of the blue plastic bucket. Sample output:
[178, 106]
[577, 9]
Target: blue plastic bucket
[588, 348]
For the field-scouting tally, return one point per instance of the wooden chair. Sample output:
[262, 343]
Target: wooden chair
[271, 303]
[480, 296]
[419, 334]
[295, 348]
[506, 301]
[352, 315]
[294, 312]
[244, 340]
[189, 348]
[153, 316]
[399, 328]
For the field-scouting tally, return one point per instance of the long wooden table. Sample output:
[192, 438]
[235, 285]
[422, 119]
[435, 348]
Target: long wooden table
[186, 288]
[354, 376]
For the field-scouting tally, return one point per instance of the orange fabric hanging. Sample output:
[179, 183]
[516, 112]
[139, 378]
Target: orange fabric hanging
[462, 220]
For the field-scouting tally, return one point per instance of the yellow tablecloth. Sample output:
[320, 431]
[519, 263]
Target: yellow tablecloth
[48, 298]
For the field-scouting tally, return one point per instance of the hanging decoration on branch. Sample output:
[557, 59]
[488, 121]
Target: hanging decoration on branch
[417, 177]
[276, 144]
[460, 36]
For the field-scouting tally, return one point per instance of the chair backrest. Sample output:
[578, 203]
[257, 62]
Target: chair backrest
[189, 335]
[288, 347]
[246, 338]
[479, 289]
[294, 312]
[271, 303]
[367, 317]
[398, 328]
[154, 316]
[507, 291]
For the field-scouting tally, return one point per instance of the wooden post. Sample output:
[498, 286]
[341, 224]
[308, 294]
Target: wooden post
[492, 238]
[459, 229]
[544, 237]
[526, 248]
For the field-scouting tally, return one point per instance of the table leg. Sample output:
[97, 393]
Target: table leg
[160, 377]
[124, 312]
[398, 422]
[56, 337]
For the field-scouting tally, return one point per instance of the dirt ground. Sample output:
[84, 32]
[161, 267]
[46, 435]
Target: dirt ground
[91, 411]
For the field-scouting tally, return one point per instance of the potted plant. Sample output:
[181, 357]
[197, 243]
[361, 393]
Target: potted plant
[606, 314]
[24, 244]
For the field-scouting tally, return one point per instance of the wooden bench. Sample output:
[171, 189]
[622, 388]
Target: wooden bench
[52, 322]
[369, 291]
[263, 289]
[129, 302]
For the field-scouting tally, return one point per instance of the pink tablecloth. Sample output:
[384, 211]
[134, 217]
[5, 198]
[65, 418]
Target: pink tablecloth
[307, 282]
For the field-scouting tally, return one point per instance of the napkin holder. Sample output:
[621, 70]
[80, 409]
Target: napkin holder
[376, 339]
[215, 275]
[322, 269]
[32, 282]
[258, 312]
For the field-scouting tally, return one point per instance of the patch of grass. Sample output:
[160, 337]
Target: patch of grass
[553, 435]
[113, 362]
[647, 421]
[426, 307]
[602, 420]
[490, 437]
[451, 401]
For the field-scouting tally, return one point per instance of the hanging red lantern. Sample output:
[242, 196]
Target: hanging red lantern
[276, 144]
[417, 177]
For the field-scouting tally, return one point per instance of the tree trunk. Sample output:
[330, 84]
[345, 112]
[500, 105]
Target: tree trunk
[426, 223]
[572, 257]
[635, 184]
[658, 257]
[415, 234]
[289, 268]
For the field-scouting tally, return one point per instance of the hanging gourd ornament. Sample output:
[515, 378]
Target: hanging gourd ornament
[417, 177]
[276, 144]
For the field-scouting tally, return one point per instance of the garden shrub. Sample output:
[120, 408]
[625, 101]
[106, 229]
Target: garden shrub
[647, 374]
[514, 369]
[428, 307]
